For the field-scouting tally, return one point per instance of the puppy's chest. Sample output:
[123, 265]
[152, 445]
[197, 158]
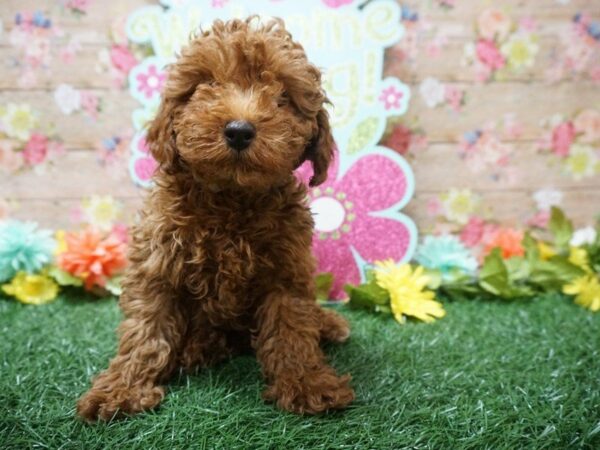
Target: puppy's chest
[225, 256]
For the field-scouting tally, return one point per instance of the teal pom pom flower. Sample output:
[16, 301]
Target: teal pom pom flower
[446, 254]
[23, 248]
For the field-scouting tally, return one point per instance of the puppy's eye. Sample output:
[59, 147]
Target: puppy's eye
[283, 100]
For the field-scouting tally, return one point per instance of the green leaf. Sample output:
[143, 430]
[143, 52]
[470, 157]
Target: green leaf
[561, 228]
[555, 273]
[114, 286]
[493, 276]
[532, 252]
[324, 282]
[64, 278]
[518, 269]
[461, 291]
[365, 134]
[370, 296]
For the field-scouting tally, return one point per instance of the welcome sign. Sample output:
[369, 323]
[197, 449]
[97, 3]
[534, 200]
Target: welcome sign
[356, 211]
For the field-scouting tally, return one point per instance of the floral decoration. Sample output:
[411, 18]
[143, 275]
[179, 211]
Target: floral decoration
[92, 257]
[353, 216]
[574, 143]
[70, 100]
[405, 138]
[23, 247]
[578, 54]
[32, 289]
[502, 46]
[445, 253]
[23, 141]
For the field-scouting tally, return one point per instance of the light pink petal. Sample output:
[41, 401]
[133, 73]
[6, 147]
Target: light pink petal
[335, 256]
[374, 183]
[378, 238]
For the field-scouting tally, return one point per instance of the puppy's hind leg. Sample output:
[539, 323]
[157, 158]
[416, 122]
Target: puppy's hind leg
[333, 326]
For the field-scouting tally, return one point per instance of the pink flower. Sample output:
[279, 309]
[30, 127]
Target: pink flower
[144, 168]
[435, 207]
[391, 98]
[489, 55]
[218, 3]
[454, 97]
[121, 232]
[10, 160]
[587, 122]
[151, 82]
[90, 103]
[122, 59]
[347, 228]
[540, 219]
[399, 140]
[472, 233]
[562, 138]
[336, 3]
[493, 24]
[36, 149]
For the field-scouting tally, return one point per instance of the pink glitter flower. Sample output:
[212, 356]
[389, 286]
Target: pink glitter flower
[489, 54]
[562, 138]
[391, 97]
[151, 82]
[346, 228]
[145, 167]
[36, 149]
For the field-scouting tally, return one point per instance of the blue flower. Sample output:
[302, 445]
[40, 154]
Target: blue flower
[445, 253]
[23, 248]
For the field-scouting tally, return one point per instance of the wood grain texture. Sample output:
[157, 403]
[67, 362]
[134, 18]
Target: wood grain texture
[47, 197]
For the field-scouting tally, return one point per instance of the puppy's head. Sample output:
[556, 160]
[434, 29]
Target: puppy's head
[242, 107]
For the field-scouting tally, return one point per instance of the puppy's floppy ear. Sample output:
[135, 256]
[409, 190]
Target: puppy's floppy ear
[161, 136]
[320, 149]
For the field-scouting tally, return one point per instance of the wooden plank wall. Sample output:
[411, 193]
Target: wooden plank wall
[47, 197]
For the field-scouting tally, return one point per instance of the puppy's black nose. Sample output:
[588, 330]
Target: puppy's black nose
[239, 134]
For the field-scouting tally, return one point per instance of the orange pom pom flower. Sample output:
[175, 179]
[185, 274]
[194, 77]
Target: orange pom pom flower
[92, 257]
[508, 240]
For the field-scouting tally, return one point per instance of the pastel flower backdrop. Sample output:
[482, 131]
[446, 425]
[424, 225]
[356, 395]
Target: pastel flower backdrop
[503, 124]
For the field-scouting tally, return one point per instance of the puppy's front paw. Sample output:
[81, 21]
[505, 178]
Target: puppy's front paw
[315, 392]
[116, 402]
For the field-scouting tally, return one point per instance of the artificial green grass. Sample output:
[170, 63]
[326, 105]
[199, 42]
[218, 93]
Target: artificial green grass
[489, 375]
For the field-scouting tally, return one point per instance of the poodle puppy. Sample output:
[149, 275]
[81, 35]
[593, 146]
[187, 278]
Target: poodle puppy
[221, 263]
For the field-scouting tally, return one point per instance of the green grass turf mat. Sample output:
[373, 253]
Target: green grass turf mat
[489, 375]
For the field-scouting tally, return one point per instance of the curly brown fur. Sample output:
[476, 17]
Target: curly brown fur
[221, 261]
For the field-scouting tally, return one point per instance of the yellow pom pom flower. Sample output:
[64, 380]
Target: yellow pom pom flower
[586, 290]
[407, 291]
[32, 289]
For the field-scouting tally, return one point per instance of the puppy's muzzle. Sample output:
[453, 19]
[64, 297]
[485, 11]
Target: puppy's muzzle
[239, 134]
